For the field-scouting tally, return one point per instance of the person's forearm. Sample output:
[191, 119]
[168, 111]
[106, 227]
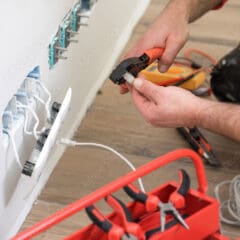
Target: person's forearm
[222, 118]
[193, 9]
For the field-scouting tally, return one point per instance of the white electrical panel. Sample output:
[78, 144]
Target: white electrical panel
[55, 55]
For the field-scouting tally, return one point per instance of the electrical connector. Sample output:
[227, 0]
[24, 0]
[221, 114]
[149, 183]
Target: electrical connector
[54, 111]
[77, 16]
[47, 139]
[74, 15]
[66, 33]
[68, 142]
[28, 167]
[55, 52]
[87, 4]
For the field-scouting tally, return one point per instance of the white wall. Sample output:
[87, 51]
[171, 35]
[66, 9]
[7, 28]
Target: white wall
[27, 28]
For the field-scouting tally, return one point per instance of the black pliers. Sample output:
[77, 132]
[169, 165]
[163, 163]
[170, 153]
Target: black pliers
[176, 200]
[126, 229]
[129, 68]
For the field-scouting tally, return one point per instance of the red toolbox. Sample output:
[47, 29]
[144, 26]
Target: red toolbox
[201, 211]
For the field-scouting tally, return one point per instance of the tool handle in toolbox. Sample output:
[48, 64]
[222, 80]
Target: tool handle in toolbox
[153, 54]
[125, 216]
[119, 183]
[120, 208]
[177, 198]
[98, 219]
[151, 202]
[135, 193]
[184, 183]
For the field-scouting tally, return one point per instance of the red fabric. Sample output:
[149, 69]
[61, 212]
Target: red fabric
[220, 5]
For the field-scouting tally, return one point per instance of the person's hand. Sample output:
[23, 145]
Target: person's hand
[169, 31]
[165, 106]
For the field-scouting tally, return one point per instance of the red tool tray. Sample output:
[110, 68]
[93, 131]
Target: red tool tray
[202, 212]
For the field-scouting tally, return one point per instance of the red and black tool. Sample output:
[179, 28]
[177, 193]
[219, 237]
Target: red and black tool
[132, 229]
[153, 203]
[199, 144]
[114, 232]
[129, 68]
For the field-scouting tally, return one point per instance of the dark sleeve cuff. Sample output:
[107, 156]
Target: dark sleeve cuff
[220, 5]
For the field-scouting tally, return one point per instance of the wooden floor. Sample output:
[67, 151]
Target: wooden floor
[113, 120]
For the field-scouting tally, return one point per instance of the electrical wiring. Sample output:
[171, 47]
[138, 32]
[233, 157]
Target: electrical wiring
[47, 104]
[187, 60]
[46, 109]
[231, 205]
[15, 151]
[25, 125]
[72, 143]
[189, 51]
[35, 133]
[39, 99]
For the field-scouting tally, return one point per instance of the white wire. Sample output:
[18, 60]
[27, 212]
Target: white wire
[29, 132]
[91, 144]
[14, 147]
[47, 106]
[232, 204]
[25, 125]
[39, 99]
[46, 109]
[35, 133]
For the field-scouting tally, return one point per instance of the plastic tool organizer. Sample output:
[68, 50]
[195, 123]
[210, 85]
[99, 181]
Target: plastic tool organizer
[201, 211]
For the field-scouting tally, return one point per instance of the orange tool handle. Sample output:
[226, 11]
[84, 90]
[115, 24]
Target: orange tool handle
[154, 54]
[119, 183]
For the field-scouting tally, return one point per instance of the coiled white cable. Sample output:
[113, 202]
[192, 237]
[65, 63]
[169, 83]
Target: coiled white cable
[72, 143]
[231, 205]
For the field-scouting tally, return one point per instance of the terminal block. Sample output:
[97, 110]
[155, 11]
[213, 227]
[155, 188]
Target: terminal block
[55, 52]
[76, 17]
[66, 33]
